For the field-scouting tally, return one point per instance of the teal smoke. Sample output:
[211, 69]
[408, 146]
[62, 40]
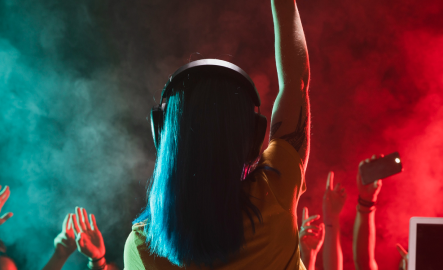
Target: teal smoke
[63, 138]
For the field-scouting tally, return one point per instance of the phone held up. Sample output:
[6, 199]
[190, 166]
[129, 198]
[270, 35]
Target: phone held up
[381, 168]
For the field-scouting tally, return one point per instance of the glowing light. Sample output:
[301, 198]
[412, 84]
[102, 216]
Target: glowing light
[397, 160]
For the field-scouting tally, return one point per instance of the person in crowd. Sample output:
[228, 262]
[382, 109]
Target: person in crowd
[6, 263]
[81, 233]
[205, 209]
[333, 202]
[363, 243]
[311, 239]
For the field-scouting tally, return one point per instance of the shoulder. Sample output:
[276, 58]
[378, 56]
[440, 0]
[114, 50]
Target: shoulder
[134, 242]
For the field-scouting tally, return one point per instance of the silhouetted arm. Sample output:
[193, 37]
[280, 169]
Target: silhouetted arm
[290, 114]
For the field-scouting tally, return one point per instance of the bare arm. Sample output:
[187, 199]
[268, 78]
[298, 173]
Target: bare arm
[333, 202]
[290, 115]
[363, 243]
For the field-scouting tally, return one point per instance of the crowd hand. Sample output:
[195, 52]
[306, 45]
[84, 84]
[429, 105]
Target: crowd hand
[64, 243]
[368, 192]
[4, 195]
[311, 236]
[88, 237]
[333, 200]
[404, 258]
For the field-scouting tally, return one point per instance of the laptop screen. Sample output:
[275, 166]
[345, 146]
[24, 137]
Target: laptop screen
[429, 251]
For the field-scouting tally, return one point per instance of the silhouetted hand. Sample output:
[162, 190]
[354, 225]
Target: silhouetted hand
[368, 192]
[333, 200]
[404, 258]
[4, 195]
[89, 238]
[311, 236]
[64, 243]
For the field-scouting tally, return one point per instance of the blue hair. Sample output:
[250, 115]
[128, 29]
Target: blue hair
[195, 207]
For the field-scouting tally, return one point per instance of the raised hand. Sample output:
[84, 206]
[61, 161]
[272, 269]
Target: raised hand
[368, 192]
[4, 195]
[89, 238]
[64, 243]
[333, 200]
[404, 258]
[311, 236]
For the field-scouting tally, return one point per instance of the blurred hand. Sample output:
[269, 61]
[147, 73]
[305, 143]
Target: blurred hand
[311, 236]
[89, 238]
[64, 243]
[404, 258]
[4, 195]
[333, 200]
[368, 192]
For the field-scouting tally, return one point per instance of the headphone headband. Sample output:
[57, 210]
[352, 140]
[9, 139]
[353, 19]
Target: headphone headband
[213, 66]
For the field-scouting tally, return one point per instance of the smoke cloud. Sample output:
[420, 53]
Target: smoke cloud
[78, 79]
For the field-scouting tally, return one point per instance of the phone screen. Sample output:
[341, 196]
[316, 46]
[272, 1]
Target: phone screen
[381, 168]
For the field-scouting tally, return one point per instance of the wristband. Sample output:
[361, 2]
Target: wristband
[370, 210]
[96, 260]
[365, 203]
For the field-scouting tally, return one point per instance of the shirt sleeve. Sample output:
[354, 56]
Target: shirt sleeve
[286, 179]
[131, 255]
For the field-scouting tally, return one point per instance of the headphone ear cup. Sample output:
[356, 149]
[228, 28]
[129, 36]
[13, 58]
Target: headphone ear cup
[157, 118]
[259, 136]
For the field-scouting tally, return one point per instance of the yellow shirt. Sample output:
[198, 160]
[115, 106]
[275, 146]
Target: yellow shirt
[275, 242]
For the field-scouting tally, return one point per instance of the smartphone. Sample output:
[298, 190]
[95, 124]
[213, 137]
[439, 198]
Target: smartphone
[381, 168]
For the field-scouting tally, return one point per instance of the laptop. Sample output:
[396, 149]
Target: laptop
[425, 243]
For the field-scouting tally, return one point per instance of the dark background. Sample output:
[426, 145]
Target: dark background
[78, 78]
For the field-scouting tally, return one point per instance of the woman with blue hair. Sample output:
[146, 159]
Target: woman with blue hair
[210, 205]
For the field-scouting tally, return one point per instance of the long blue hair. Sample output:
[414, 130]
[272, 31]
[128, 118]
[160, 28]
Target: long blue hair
[195, 200]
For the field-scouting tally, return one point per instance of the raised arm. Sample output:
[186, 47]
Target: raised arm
[333, 202]
[363, 242]
[290, 115]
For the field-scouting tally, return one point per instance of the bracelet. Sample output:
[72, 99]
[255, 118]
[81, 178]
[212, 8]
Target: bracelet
[93, 264]
[370, 210]
[96, 260]
[365, 203]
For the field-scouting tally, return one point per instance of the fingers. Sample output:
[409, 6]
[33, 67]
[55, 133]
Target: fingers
[305, 214]
[93, 222]
[330, 181]
[402, 251]
[310, 228]
[85, 215]
[308, 221]
[80, 218]
[4, 195]
[5, 217]
[77, 228]
[66, 223]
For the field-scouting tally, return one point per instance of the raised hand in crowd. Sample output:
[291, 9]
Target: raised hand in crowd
[404, 258]
[4, 195]
[89, 239]
[333, 201]
[363, 242]
[64, 245]
[311, 239]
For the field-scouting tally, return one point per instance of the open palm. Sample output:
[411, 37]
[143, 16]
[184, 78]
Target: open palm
[89, 238]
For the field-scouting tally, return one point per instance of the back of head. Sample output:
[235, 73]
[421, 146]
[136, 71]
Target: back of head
[195, 198]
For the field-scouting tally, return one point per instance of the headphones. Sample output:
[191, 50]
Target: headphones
[208, 67]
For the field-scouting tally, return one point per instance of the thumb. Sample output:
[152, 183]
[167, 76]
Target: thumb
[401, 250]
